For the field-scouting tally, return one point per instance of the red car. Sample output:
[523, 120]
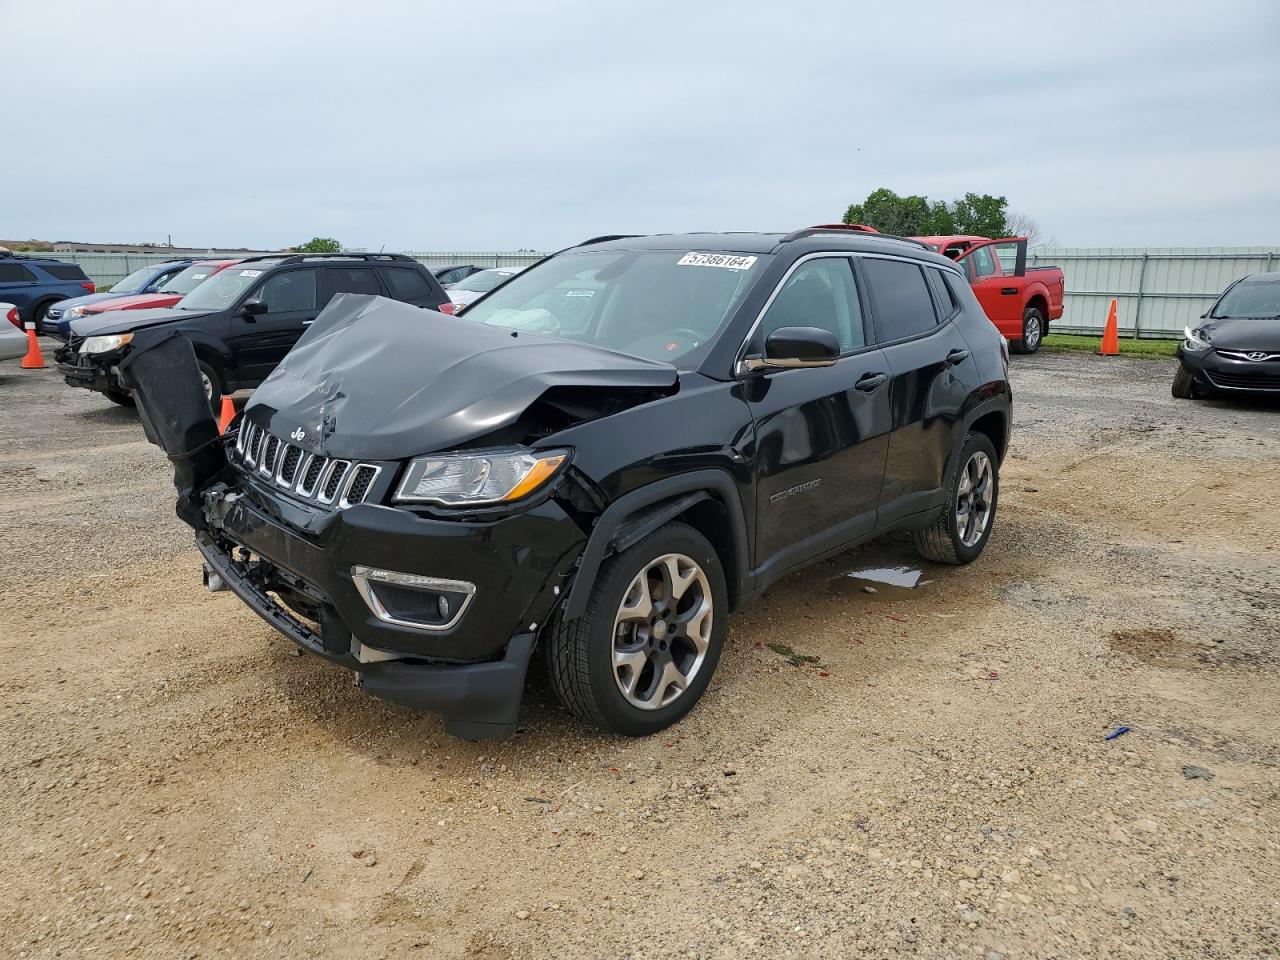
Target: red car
[173, 291]
[1019, 301]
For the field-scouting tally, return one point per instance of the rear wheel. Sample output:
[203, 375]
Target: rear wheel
[962, 529]
[1032, 331]
[642, 654]
[1184, 385]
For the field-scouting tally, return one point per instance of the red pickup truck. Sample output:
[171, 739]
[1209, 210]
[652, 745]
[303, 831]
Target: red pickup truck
[1019, 301]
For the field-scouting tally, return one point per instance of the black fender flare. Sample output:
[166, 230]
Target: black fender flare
[998, 404]
[635, 515]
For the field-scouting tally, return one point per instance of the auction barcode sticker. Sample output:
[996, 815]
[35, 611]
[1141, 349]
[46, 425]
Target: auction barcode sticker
[729, 261]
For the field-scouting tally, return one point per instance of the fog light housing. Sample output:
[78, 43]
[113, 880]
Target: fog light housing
[411, 600]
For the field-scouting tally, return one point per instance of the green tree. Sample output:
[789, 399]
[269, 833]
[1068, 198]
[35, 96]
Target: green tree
[319, 245]
[915, 216]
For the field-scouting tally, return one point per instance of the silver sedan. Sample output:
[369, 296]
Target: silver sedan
[13, 342]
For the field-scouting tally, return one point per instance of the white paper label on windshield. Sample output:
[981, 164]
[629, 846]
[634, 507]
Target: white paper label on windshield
[729, 261]
[198, 276]
[579, 293]
[250, 273]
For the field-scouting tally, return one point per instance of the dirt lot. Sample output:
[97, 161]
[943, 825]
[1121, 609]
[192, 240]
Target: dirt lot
[177, 783]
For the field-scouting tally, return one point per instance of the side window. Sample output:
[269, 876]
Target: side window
[293, 290]
[348, 280]
[984, 265]
[66, 271]
[904, 307]
[406, 283]
[1007, 254]
[819, 293]
[15, 273]
[450, 276]
[943, 296]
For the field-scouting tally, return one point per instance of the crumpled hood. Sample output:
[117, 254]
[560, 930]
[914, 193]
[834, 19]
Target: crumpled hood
[122, 321]
[1244, 334]
[376, 379]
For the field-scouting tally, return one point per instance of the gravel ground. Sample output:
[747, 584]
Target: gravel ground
[177, 783]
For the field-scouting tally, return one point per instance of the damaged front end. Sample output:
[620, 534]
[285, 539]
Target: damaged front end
[299, 511]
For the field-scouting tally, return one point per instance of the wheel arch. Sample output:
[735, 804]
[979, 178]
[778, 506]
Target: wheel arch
[993, 421]
[707, 500]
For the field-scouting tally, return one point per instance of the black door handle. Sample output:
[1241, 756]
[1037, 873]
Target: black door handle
[871, 381]
[957, 356]
[1008, 291]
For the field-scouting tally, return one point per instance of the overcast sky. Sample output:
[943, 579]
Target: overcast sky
[421, 125]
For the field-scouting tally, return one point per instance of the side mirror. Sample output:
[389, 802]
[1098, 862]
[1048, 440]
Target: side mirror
[790, 347]
[253, 308]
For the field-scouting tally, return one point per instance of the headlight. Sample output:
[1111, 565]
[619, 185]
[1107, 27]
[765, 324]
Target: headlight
[1196, 339]
[105, 344]
[459, 480]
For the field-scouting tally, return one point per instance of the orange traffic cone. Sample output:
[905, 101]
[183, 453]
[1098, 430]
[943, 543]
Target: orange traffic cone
[1111, 335]
[34, 360]
[227, 414]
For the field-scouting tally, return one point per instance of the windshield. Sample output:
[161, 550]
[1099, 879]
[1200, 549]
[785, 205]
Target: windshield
[483, 281]
[190, 278]
[1259, 298]
[660, 305]
[222, 289]
[135, 282]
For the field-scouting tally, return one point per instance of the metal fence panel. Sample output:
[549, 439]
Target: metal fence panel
[1159, 290]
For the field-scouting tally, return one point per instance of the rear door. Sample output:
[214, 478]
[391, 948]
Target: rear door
[335, 280]
[821, 433]
[932, 375]
[17, 284]
[995, 269]
[258, 343]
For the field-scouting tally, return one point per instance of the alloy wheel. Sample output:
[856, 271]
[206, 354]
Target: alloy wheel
[662, 631]
[1034, 332]
[974, 498]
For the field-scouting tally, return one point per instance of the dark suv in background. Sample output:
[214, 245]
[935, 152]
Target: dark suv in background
[33, 284]
[244, 319]
[603, 457]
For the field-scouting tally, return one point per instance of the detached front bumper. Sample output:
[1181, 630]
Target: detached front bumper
[1218, 372]
[468, 666]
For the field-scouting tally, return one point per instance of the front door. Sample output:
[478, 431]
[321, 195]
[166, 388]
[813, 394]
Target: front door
[994, 282]
[259, 342]
[821, 433]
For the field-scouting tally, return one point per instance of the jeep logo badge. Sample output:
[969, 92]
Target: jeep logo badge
[298, 435]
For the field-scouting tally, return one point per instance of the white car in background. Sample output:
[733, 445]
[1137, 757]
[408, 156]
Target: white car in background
[13, 342]
[477, 285]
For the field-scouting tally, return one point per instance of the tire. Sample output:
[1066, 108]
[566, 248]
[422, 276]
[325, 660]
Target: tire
[1033, 330]
[38, 312]
[212, 384]
[122, 397]
[944, 540]
[1184, 385]
[591, 659]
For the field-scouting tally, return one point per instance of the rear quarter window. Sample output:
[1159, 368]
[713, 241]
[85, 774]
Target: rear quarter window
[948, 305]
[407, 283]
[904, 306]
[66, 271]
[15, 273]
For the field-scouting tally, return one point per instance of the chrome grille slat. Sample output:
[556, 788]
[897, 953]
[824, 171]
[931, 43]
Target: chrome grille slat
[310, 476]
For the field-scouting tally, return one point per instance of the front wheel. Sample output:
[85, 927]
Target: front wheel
[642, 654]
[963, 527]
[1032, 331]
[121, 396]
[1184, 385]
[212, 384]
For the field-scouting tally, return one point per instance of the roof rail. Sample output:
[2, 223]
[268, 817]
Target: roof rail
[299, 257]
[848, 228]
[607, 237]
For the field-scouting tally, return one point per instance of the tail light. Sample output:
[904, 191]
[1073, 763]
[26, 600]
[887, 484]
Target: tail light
[90, 286]
[13, 317]
[448, 308]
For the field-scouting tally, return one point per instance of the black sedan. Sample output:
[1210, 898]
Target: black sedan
[1236, 346]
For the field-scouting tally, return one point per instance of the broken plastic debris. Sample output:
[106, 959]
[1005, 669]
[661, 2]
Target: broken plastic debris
[1117, 732]
[893, 576]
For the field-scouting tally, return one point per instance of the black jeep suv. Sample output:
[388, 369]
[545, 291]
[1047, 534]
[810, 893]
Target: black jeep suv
[607, 455]
[244, 319]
